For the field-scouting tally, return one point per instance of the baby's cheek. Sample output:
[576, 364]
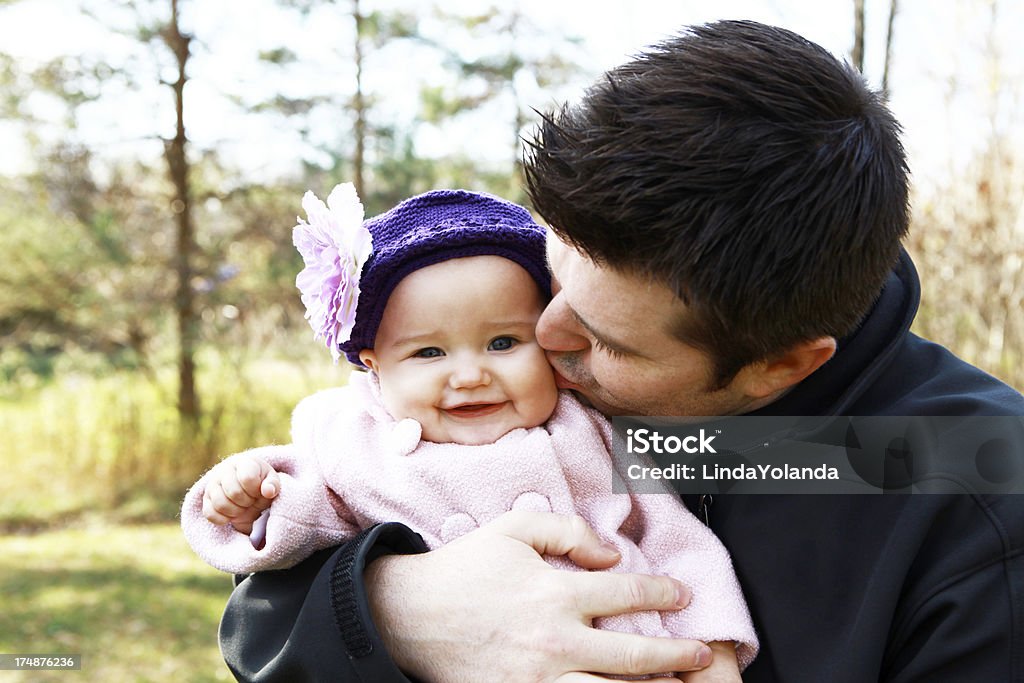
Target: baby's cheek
[542, 396]
[392, 401]
[434, 432]
[402, 405]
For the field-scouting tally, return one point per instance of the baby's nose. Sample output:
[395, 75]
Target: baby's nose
[468, 376]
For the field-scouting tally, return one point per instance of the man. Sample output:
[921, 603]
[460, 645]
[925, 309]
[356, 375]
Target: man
[727, 213]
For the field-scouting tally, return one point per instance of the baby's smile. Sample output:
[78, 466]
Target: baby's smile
[474, 410]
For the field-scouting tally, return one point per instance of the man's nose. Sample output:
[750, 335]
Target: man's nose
[469, 375]
[558, 329]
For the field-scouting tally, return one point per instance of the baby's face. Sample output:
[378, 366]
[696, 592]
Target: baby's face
[456, 351]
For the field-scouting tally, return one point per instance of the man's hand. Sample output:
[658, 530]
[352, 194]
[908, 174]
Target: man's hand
[486, 607]
[238, 490]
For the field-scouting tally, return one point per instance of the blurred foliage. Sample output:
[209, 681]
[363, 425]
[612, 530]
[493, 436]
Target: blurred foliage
[502, 59]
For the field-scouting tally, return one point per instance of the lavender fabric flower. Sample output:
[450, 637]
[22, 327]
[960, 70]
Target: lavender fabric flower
[334, 246]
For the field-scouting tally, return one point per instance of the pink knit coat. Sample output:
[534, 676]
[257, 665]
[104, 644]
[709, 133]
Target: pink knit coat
[351, 465]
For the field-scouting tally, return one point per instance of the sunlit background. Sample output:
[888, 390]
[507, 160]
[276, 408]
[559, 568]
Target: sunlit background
[148, 318]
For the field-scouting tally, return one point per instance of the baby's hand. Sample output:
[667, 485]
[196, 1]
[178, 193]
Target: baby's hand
[238, 490]
[723, 667]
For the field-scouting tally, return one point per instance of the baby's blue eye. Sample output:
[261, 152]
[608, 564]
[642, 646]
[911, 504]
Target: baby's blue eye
[501, 344]
[429, 352]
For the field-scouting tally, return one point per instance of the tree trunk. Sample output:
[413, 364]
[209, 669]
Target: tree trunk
[178, 167]
[359, 105]
[518, 173]
[893, 8]
[858, 35]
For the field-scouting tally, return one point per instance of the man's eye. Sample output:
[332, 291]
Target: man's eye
[429, 352]
[501, 344]
[614, 353]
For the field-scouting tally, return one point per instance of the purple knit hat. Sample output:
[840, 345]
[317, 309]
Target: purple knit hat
[434, 227]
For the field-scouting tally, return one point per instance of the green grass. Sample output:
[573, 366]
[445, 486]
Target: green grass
[134, 601]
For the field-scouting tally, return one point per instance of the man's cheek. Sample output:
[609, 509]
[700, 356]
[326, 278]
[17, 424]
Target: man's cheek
[616, 379]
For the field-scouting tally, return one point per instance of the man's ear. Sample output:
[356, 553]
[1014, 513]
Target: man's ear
[369, 359]
[769, 377]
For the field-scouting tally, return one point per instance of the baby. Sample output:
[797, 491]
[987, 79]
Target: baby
[457, 421]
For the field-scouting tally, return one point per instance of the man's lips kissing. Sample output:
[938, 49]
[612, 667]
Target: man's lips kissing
[563, 383]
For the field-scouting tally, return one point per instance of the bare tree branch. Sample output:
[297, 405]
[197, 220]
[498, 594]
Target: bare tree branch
[893, 8]
[858, 35]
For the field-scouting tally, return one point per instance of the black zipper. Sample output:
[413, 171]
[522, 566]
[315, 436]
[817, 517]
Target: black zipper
[704, 508]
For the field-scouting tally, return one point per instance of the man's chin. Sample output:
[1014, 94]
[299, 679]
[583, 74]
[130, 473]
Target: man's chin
[593, 402]
[582, 398]
[585, 396]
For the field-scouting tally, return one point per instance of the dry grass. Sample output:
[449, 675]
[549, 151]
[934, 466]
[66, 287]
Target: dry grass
[968, 243]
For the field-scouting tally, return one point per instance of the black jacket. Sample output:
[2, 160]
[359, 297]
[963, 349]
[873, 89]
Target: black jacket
[893, 588]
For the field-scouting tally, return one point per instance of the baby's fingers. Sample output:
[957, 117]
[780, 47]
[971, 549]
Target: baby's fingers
[217, 501]
[210, 511]
[249, 476]
[270, 487]
[238, 489]
[216, 506]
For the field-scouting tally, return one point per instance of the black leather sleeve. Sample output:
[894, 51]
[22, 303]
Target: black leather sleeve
[312, 622]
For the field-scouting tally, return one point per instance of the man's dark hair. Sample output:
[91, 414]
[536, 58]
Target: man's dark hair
[746, 168]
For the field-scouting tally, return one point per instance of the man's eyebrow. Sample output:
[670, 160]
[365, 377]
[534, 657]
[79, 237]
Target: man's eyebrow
[601, 337]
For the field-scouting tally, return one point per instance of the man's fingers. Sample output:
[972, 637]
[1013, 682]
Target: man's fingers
[579, 677]
[601, 594]
[551, 534]
[627, 653]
